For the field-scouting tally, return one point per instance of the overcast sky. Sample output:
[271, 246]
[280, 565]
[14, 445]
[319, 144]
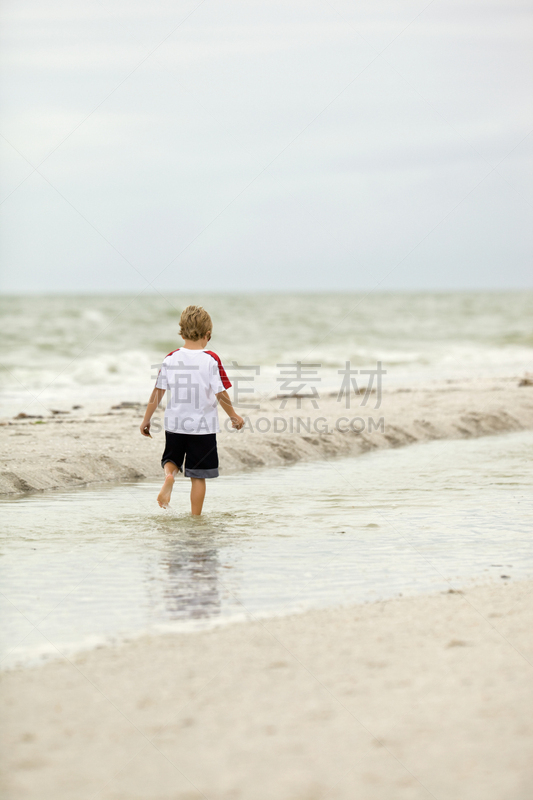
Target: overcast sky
[326, 145]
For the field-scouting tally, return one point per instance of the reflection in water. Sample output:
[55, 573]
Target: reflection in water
[187, 581]
[191, 589]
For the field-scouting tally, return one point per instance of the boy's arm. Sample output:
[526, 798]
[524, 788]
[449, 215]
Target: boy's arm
[225, 402]
[153, 402]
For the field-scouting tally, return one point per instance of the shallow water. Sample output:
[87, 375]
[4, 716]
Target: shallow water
[102, 564]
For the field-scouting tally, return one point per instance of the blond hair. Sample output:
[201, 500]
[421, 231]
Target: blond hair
[195, 322]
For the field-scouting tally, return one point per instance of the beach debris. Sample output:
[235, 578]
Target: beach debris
[297, 396]
[505, 576]
[360, 390]
[454, 591]
[527, 380]
[75, 408]
[127, 404]
[23, 415]
[57, 411]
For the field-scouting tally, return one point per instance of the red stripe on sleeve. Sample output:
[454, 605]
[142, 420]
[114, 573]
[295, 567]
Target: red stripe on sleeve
[223, 377]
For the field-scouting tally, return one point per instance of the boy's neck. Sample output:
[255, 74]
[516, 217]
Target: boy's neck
[190, 345]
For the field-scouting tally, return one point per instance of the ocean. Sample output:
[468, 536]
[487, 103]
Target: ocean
[62, 350]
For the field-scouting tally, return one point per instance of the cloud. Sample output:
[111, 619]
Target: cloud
[272, 135]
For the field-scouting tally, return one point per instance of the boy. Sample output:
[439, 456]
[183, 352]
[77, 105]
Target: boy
[196, 380]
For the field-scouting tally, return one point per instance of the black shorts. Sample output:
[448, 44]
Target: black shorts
[199, 451]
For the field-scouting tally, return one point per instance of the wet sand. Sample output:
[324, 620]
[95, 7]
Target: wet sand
[426, 697]
[100, 443]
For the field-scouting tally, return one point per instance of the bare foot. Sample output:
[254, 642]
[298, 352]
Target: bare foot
[163, 498]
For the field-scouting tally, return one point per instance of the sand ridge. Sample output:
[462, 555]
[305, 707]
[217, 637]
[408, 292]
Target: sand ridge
[103, 443]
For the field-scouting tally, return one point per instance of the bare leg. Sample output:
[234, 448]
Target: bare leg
[197, 495]
[163, 498]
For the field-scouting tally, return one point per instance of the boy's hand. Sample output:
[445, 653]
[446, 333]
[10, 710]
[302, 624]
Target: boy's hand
[236, 421]
[145, 429]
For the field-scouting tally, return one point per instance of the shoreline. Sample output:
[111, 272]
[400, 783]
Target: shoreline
[78, 446]
[388, 699]
[456, 585]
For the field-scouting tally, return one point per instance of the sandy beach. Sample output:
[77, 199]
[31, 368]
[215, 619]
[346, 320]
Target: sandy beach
[317, 216]
[423, 697]
[416, 697]
[96, 443]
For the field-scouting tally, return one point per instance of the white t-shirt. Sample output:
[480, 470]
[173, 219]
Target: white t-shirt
[192, 379]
